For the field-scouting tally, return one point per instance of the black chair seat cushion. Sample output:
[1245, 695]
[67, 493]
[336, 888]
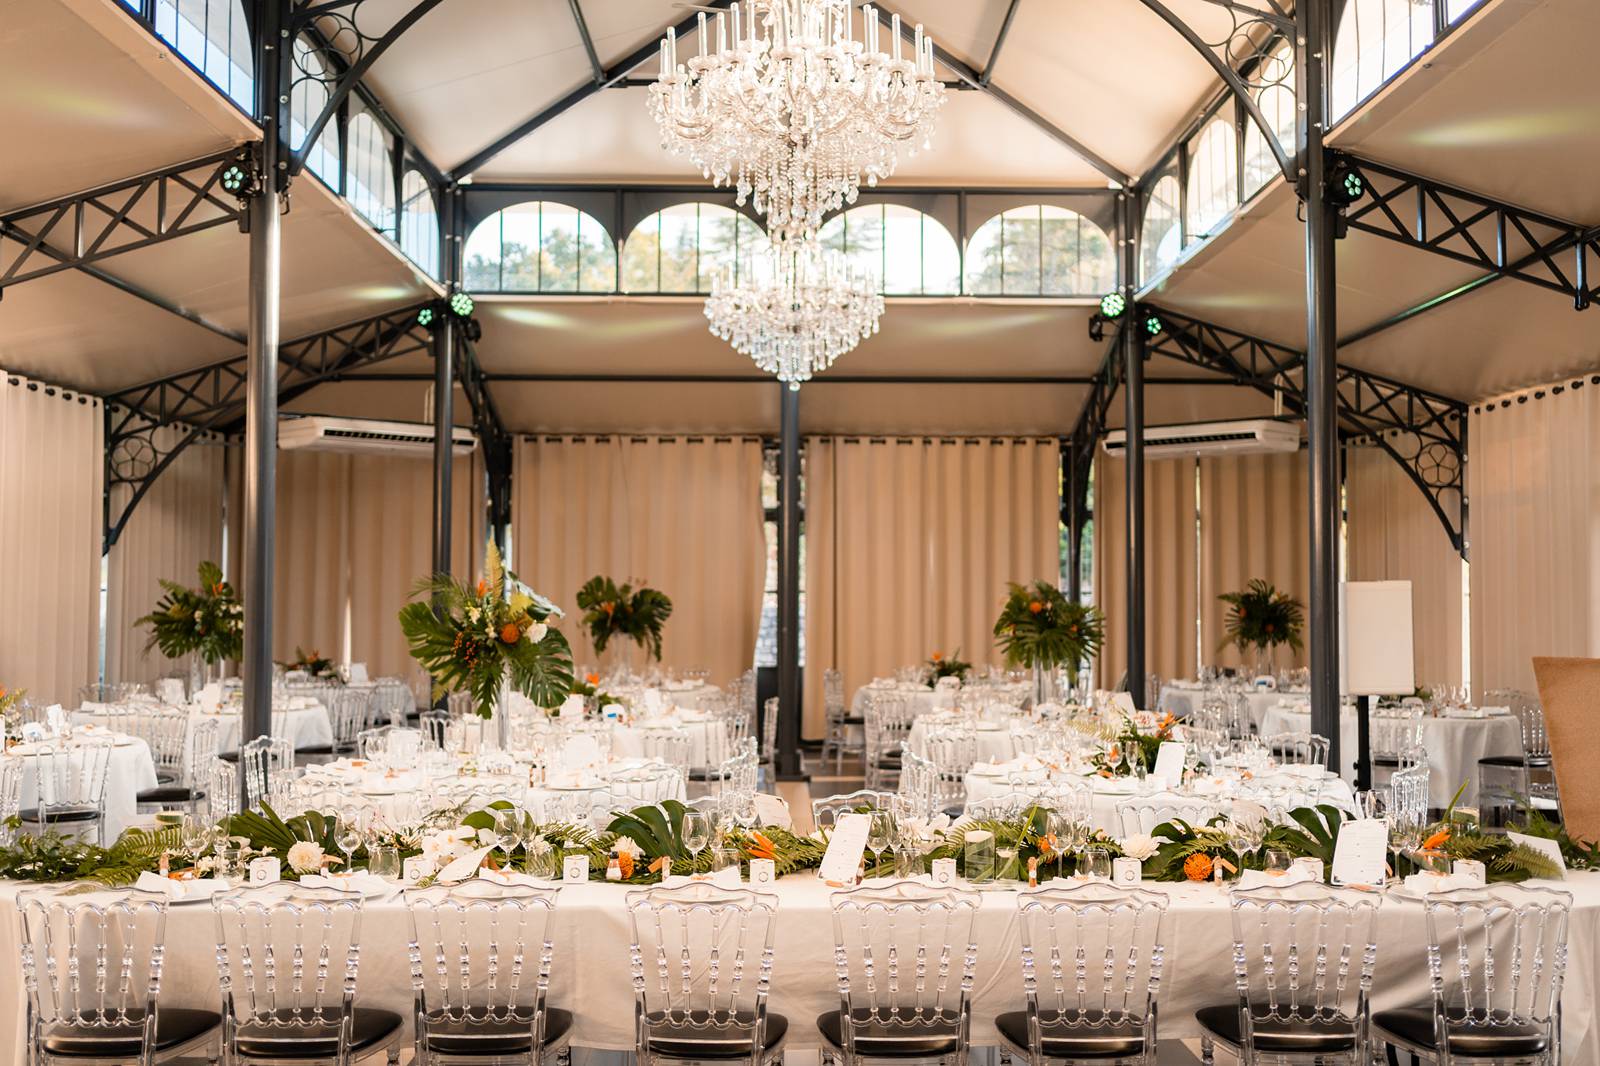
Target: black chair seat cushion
[495, 1038]
[315, 749]
[59, 814]
[918, 1035]
[1093, 1038]
[853, 719]
[1282, 1035]
[1514, 762]
[175, 1027]
[370, 1029]
[1414, 1025]
[170, 794]
[229, 756]
[701, 1038]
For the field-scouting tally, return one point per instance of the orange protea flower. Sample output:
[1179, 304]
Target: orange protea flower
[608, 607]
[625, 864]
[761, 847]
[593, 679]
[1198, 866]
[1437, 841]
[1114, 754]
[216, 590]
[483, 587]
[509, 633]
[938, 657]
[1047, 844]
[1035, 606]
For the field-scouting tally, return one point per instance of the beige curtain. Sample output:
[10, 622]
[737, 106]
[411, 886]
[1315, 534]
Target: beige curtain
[1169, 524]
[681, 514]
[909, 545]
[176, 527]
[1393, 534]
[1534, 486]
[1254, 520]
[51, 471]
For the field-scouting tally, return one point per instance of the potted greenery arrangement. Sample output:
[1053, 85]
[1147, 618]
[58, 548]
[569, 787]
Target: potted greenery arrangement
[313, 664]
[205, 623]
[940, 665]
[1261, 618]
[1040, 628]
[612, 610]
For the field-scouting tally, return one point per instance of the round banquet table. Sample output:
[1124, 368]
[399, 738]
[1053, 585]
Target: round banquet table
[671, 693]
[629, 740]
[925, 699]
[129, 771]
[1184, 698]
[994, 742]
[590, 971]
[1454, 746]
[304, 721]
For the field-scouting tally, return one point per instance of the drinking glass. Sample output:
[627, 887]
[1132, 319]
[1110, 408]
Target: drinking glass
[196, 835]
[349, 836]
[1097, 864]
[907, 861]
[508, 825]
[879, 835]
[1276, 861]
[384, 861]
[696, 831]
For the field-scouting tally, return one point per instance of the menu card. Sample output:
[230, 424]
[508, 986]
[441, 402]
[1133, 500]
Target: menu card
[1123, 701]
[1169, 763]
[572, 706]
[1362, 853]
[1544, 846]
[846, 845]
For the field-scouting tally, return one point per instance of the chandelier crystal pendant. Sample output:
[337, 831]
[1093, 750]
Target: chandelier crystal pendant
[794, 307]
[791, 109]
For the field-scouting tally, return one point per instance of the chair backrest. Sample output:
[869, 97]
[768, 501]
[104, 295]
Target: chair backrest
[1007, 805]
[265, 763]
[200, 749]
[825, 811]
[222, 789]
[646, 785]
[672, 746]
[347, 707]
[833, 691]
[481, 953]
[10, 793]
[1144, 813]
[432, 723]
[918, 786]
[1497, 958]
[91, 962]
[391, 701]
[887, 719]
[1304, 951]
[769, 731]
[166, 733]
[1525, 705]
[73, 777]
[905, 955]
[701, 955]
[1093, 954]
[1396, 730]
[1298, 748]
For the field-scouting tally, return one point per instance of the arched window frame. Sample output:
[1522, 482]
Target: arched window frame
[1088, 276]
[1160, 248]
[419, 222]
[214, 37]
[308, 95]
[1213, 189]
[369, 172]
[1375, 40]
[1275, 96]
[595, 274]
[707, 265]
[933, 245]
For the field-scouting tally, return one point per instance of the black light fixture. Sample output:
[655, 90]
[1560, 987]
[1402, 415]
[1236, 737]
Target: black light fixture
[461, 305]
[425, 316]
[235, 179]
[1153, 325]
[1345, 183]
[1112, 306]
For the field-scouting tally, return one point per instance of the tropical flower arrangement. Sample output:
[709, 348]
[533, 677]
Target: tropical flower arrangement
[314, 664]
[207, 620]
[940, 665]
[589, 688]
[1135, 744]
[1261, 618]
[1039, 626]
[10, 709]
[475, 638]
[611, 610]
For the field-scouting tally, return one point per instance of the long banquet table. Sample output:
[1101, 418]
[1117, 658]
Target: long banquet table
[591, 976]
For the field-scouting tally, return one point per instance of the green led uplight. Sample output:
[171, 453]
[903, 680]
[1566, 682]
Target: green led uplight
[1113, 304]
[425, 316]
[1153, 325]
[461, 305]
[235, 178]
[1354, 187]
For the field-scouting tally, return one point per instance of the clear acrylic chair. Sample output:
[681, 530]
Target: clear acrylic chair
[672, 746]
[1144, 813]
[1506, 782]
[265, 763]
[1303, 958]
[701, 960]
[769, 743]
[952, 750]
[825, 811]
[887, 719]
[10, 794]
[69, 789]
[916, 793]
[1099, 949]
[92, 972]
[1395, 732]
[187, 744]
[1298, 748]
[287, 960]
[905, 956]
[222, 791]
[644, 786]
[840, 737]
[480, 973]
[1496, 960]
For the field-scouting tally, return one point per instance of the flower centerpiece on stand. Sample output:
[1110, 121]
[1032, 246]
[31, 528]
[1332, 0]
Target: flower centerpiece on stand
[11, 711]
[313, 664]
[482, 638]
[205, 623]
[940, 665]
[1135, 744]
[612, 610]
[1040, 628]
[1261, 618]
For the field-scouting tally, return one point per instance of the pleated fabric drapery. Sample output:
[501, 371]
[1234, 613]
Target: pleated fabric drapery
[1255, 523]
[909, 545]
[174, 528]
[1170, 588]
[1533, 483]
[681, 514]
[51, 472]
[1392, 534]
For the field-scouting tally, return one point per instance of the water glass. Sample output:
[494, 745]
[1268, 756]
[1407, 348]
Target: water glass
[383, 861]
[1097, 864]
[978, 856]
[1276, 862]
[907, 862]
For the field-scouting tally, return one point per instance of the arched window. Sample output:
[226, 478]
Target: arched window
[1275, 97]
[541, 246]
[684, 247]
[1375, 39]
[369, 175]
[213, 35]
[908, 252]
[1213, 177]
[1040, 250]
[1160, 237]
[419, 223]
[307, 98]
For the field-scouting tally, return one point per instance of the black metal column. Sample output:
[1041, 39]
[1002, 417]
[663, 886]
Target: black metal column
[1321, 382]
[261, 403]
[1072, 516]
[789, 689]
[1133, 397]
[444, 353]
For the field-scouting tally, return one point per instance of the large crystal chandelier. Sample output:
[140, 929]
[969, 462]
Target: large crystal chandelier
[792, 109]
[794, 307]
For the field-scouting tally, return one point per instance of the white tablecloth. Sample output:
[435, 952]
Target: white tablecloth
[629, 741]
[129, 771]
[304, 720]
[1454, 746]
[925, 699]
[994, 742]
[1182, 701]
[590, 975]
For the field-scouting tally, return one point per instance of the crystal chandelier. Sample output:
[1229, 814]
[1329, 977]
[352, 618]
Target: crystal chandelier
[794, 308]
[792, 108]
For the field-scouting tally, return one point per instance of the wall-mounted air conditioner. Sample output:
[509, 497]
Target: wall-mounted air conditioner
[366, 436]
[1211, 438]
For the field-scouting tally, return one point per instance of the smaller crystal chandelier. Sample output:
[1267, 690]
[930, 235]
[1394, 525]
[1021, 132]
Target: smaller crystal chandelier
[794, 307]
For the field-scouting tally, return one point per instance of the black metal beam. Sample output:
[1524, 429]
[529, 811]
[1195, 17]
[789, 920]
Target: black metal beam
[999, 43]
[493, 436]
[588, 41]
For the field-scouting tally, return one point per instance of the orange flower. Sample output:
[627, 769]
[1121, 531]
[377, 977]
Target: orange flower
[509, 633]
[1437, 841]
[483, 586]
[609, 608]
[593, 679]
[1035, 606]
[761, 847]
[938, 656]
[625, 864]
[216, 590]
[1197, 867]
[1114, 754]
[1047, 844]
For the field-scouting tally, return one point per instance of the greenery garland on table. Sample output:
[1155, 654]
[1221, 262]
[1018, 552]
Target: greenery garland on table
[940, 665]
[1039, 626]
[313, 664]
[612, 610]
[208, 619]
[474, 639]
[1261, 618]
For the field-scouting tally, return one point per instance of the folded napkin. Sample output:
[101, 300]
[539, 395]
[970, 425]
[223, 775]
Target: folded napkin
[1262, 879]
[509, 877]
[176, 890]
[463, 868]
[359, 882]
[1424, 883]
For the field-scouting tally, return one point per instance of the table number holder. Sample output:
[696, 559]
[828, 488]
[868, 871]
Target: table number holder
[416, 868]
[265, 870]
[763, 871]
[1471, 869]
[944, 871]
[575, 870]
[1126, 871]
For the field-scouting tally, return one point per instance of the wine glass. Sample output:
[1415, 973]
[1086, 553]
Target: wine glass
[349, 836]
[509, 826]
[696, 832]
[879, 834]
[196, 835]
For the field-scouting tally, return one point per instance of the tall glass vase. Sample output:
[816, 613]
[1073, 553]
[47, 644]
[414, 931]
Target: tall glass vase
[1046, 683]
[497, 730]
[621, 655]
[201, 673]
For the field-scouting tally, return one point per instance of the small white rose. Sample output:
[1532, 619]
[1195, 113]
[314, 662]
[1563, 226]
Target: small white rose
[539, 846]
[536, 632]
[305, 857]
[1139, 846]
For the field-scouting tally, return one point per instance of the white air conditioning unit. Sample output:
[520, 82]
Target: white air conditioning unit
[1211, 438]
[366, 436]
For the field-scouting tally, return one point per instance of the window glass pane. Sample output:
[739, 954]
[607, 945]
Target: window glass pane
[540, 247]
[1376, 38]
[306, 101]
[214, 37]
[519, 248]
[419, 223]
[1456, 8]
[983, 259]
[684, 248]
[1276, 100]
[559, 248]
[369, 180]
[1020, 263]
[597, 262]
[1213, 189]
[908, 252]
[1040, 250]
[482, 256]
[1161, 234]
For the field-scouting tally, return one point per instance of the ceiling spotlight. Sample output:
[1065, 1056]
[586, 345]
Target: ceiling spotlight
[1112, 305]
[1345, 184]
[425, 316]
[1153, 325]
[461, 305]
[234, 178]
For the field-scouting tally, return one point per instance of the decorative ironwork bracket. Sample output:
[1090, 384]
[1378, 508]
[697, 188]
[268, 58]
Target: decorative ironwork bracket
[495, 439]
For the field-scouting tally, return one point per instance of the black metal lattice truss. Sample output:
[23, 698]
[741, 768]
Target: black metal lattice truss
[211, 400]
[493, 436]
[1085, 437]
[1503, 240]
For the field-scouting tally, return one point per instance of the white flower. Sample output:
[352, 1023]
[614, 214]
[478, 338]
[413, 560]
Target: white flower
[197, 616]
[446, 844]
[626, 846]
[536, 632]
[206, 865]
[474, 613]
[538, 846]
[1138, 846]
[305, 857]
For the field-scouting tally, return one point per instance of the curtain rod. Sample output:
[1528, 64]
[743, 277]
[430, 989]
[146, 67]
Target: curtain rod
[33, 385]
[1536, 393]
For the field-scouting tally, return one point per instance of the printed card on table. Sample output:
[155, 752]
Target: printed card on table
[1169, 763]
[1362, 854]
[846, 845]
